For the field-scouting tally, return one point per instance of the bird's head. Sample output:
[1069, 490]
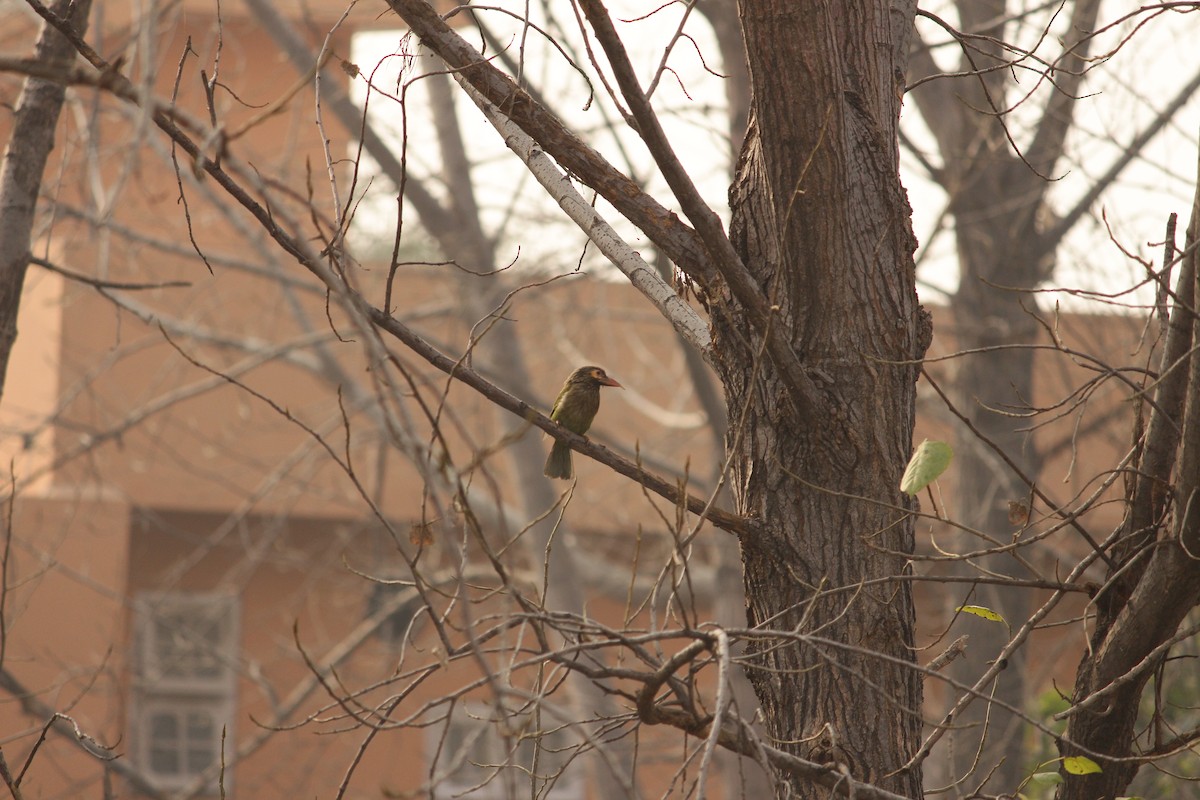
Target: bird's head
[594, 375]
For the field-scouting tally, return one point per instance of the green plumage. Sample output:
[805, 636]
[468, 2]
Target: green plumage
[575, 409]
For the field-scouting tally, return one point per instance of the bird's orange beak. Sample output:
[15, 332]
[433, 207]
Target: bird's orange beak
[607, 381]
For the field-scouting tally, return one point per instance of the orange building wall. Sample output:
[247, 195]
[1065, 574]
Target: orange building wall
[87, 541]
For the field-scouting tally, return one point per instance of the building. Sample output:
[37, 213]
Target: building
[189, 561]
[220, 497]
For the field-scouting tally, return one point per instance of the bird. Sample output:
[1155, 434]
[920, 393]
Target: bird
[575, 409]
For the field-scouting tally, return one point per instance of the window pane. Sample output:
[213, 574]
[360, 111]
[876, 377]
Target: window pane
[200, 726]
[201, 741]
[199, 758]
[164, 726]
[183, 742]
[164, 761]
[164, 743]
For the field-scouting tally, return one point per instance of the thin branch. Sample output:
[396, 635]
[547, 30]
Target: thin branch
[722, 519]
[103, 284]
[663, 226]
[1129, 153]
[65, 727]
[708, 225]
[1071, 519]
[690, 326]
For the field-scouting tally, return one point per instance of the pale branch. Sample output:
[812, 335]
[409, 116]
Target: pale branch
[955, 649]
[663, 226]
[65, 727]
[641, 275]
[62, 75]
[708, 225]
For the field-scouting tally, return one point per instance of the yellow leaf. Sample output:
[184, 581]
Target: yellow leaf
[1080, 765]
[981, 611]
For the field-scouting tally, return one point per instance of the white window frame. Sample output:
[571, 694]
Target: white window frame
[472, 725]
[156, 691]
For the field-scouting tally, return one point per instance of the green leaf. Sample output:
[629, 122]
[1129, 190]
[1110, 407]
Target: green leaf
[1080, 765]
[982, 611]
[1040, 779]
[929, 460]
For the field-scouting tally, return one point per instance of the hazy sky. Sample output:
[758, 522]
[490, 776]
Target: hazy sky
[1122, 95]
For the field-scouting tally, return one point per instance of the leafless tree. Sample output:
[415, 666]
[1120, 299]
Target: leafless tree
[806, 312]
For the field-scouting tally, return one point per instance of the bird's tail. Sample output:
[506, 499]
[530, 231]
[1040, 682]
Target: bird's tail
[558, 465]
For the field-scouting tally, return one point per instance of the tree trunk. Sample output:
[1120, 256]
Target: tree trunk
[1142, 606]
[25, 158]
[997, 246]
[822, 222]
[995, 198]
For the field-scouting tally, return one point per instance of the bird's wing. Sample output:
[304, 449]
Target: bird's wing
[558, 401]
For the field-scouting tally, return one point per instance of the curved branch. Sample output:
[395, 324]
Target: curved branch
[706, 257]
[708, 224]
[662, 225]
[722, 519]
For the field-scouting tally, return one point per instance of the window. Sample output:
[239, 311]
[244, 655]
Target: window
[185, 648]
[487, 760]
[400, 603]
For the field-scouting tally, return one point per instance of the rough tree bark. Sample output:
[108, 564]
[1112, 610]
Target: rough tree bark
[822, 223]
